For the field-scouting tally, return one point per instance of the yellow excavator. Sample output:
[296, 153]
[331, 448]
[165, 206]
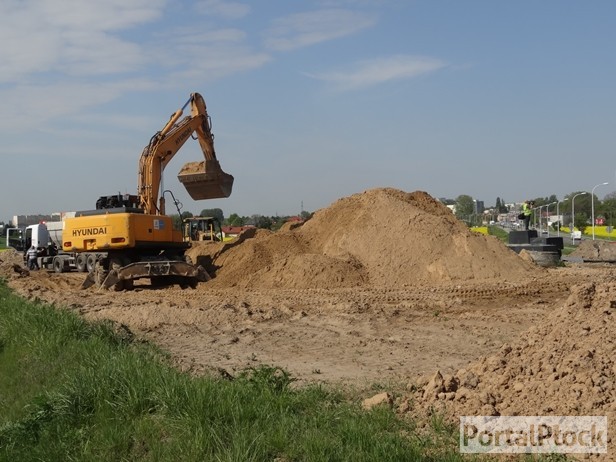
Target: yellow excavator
[131, 234]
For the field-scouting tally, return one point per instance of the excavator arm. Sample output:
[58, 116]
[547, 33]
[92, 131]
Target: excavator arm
[202, 180]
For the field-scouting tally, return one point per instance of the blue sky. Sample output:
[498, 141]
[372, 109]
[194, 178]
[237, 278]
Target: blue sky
[310, 101]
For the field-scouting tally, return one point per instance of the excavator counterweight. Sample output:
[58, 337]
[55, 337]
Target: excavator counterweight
[205, 180]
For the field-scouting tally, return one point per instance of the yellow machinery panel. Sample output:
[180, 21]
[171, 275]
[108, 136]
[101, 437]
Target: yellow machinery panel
[107, 231]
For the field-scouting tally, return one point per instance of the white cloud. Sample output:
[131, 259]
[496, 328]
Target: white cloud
[99, 16]
[223, 9]
[304, 29]
[70, 36]
[68, 56]
[192, 53]
[380, 70]
[31, 107]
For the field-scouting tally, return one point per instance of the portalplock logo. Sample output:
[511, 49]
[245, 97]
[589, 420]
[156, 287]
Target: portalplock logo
[533, 434]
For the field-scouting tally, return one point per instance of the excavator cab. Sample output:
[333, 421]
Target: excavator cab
[206, 180]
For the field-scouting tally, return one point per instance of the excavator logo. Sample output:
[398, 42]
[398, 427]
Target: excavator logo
[183, 136]
[89, 231]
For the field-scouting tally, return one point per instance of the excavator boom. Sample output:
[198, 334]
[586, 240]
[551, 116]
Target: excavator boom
[202, 180]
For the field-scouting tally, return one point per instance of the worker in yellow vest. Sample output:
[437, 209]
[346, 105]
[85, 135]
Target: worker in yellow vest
[527, 210]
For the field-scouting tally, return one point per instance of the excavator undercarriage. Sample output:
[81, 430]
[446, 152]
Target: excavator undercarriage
[108, 275]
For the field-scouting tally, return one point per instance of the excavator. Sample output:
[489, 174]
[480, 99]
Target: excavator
[132, 235]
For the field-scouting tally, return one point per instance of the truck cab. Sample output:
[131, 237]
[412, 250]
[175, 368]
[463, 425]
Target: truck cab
[15, 238]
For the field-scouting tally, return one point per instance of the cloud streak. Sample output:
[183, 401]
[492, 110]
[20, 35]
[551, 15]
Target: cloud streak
[305, 29]
[223, 9]
[377, 71]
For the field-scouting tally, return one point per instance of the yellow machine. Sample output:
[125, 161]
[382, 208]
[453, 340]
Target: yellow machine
[202, 229]
[135, 237]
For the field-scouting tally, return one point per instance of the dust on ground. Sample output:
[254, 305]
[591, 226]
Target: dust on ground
[383, 287]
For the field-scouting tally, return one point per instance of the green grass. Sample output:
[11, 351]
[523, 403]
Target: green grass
[499, 232]
[2, 242]
[70, 390]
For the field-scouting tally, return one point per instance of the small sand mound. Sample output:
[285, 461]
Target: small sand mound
[256, 262]
[596, 251]
[382, 237]
[10, 256]
[306, 271]
[564, 366]
[8, 260]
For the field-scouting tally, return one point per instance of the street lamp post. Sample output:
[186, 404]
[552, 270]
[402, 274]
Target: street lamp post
[573, 216]
[558, 218]
[592, 207]
[547, 218]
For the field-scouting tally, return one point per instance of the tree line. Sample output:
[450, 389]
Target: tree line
[259, 221]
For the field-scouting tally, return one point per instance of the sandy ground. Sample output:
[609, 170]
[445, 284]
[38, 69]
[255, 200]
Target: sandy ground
[358, 335]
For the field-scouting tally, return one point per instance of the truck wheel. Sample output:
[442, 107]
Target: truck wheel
[81, 263]
[58, 265]
[90, 262]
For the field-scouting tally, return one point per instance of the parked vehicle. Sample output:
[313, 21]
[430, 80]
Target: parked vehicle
[47, 239]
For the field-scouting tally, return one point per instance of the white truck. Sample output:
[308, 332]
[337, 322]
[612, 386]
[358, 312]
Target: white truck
[47, 238]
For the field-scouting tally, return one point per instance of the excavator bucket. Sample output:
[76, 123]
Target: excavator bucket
[205, 180]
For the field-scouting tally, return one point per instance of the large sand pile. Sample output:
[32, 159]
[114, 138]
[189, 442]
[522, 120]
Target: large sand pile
[381, 237]
[563, 366]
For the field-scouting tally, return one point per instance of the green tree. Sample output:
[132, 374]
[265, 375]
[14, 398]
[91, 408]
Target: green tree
[216, 213]
[465, 208]
[178, 219]
[262, 222]
[609, 208]
[503, 206]
[581, 220]
[235, 220]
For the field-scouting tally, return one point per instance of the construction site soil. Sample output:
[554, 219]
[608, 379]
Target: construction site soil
[383, 287]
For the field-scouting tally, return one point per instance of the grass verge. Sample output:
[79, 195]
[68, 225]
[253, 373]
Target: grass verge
[499, 233]
[71, 390]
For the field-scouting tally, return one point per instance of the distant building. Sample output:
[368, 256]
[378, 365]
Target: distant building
[479, 206]
[21, 221]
